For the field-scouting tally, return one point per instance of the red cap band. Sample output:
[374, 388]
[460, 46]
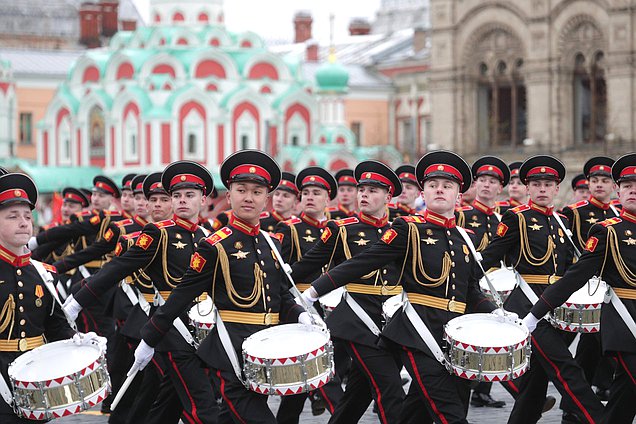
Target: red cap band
[74, 197]
[156, 186]
[514, 172]
[288, 184]
[139, 187]
[128, 184]
[582, 183]
[628, 171]
[378, 177]
[316, 180]
[105, 187]
[486, 169]
[542, 170]
[186, 178]
[601, 168]
[251, 169]
[14, 194]
[440, 167]
[407, 176]
[346, 179]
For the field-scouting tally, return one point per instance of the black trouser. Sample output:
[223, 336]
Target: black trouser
[551, 361]
[191, 383]
[374, 375]
[621, 407]
[144, 391]
[120, 361]
[598, 369]
[445, 396]
[292, 406]
[240, 405]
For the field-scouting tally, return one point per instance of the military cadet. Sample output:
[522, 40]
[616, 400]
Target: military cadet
[127, 196]
[580, 188]
[159, 201]
[437, 272]
[298, 236]
[517, 193]
[375, 373]
[160, 256]
[404, 205]
[30, 315]
[467, 198]
[284, 202]
[346, 196]
[531, 238]
[609, 254]
[232, 263]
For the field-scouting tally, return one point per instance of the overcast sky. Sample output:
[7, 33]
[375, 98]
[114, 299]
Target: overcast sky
[272, 19]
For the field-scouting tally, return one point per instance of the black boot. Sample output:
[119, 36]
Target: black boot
[484, 399]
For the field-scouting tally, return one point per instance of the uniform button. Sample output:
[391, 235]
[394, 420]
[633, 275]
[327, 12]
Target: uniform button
[264, 275]
[450, 242]
[22, 321]
[453, 286]
[258, 251]
[379, 230]
[262, 263]
[22, 334]
[21, 296]
[453, 275]
[453, 264]
[267, 286]
[21, 308]
[384, 271]
[447, 233]
[19, 272]
[452, 253]
[256, 240]
[196, 245]
[386, 282]
[453, 298]
[20, 284]
[269, 298]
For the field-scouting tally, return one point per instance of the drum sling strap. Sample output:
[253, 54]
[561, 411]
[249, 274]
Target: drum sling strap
[423, 331]
[5, 392]
[568, 234]
[617, 303]
[224, 336]
[361, 313]
[48, 279]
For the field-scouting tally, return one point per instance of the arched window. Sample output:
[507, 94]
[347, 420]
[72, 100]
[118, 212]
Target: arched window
[297, 131]
[131, 138]
[246, 131]
[193, 136]
[64, 141]
[97, 134]
[589, 99]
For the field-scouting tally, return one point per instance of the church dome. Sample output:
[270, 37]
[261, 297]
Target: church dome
[332, 77]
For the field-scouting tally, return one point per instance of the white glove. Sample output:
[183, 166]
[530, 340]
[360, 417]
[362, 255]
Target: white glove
[32, 244]
[72, 308]
[305, 319]
[505, 316]
[309, 296]
[83, 339]
[531, 321]
[143, 355]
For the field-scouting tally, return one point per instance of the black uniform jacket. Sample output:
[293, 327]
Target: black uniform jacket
[530, 239]
[611, 254]
[340, 212]
[237, 268]
[269, 220]
[341, 240]
[398, 209]
[582, 215]
[481, 219]
[433, 260]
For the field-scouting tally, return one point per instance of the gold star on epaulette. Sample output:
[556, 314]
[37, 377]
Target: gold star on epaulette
[179, 245]
[592, 220]
[630, 242]
[309, 239]
[536, 227]
[361, 242]
[240, 254]
[430, 240]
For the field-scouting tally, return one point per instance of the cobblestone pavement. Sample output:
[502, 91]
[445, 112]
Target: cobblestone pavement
[475, 415]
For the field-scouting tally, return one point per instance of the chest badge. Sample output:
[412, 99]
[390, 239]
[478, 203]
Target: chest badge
[628, 233]
[361, 242]
[429, 232]
[630, 242]
[240, 254]
[39, 294]
[474, 224]
[238, 245]
[179, 245]
[430, 240]
[533, 219]
[535, 227]
[309, 238]
[592, 220]
[361, 234]
[178, 236]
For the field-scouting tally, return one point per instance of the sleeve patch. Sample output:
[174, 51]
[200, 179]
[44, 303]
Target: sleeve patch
[95, 220]
[144, 241]
[502, 229]
[223, 233]
[197, 262]
[389, 235]
[118, 249]
[590, 246]
[279, 237]
[108, 235]
[326, 234]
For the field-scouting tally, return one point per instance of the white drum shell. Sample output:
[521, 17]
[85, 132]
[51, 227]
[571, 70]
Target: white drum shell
[581, 313]
[503, 279]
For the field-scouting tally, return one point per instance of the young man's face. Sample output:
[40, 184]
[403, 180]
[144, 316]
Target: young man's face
[70, 208]
[372, 200]
[160, 207]
[314, 200]
[284, 202]
[440, 195]
[602, 188]
[581, 194]
[347, 195]
[247, 200]
[409, 194]
[16, 226]
[487, 188]
[100, 200]
[127, 200]
[517, 190]
[469, 196]
[543, 192]
[627, 195]
[187, 202]
[141, 205]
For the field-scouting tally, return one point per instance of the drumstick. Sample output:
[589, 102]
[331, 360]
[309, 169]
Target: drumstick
[123, 389]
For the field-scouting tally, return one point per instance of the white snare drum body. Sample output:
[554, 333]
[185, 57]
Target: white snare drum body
[202, 318]
[59, 379]
[391, 305]
[331, 300]
[581, 313]
[483, 348]
[287, 359]
[503, 279]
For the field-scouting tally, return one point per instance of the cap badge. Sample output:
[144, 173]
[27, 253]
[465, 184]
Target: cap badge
[490, 168]
[183, 178]
[252, 170]
[368, 175]
[312, 179]
[542, 169]
[17, 193]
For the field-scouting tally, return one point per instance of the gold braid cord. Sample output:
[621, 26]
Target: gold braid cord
[295, 242]
[484, 242]
[232, 294]
[162, 245]
[7, 315]
[526, 251]
[612, 244]
[577, 228]
[461, 219]
[342, 234]
[413, 243]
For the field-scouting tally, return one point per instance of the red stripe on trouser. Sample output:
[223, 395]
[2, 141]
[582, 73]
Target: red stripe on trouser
[326, 398]
[620, 359]
[565, 384]
[375, 386]
[185, 387]
[419, 382]
[227, 400]
[512, 386]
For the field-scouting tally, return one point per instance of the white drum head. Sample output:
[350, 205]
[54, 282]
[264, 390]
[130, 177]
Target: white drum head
[202, 311]
[333, 298]
[285, 341]
[53, 360]
[583, 297]
[503, 279]
[485, 330]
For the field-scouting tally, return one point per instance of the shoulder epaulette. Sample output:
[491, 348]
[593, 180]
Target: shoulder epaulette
[502, 203]
[578, 204]
[520, 208]
[85, 213]
[49, 268]
[392, 205]
[414, 218]
[124, 222]
[611, 221]
[165, 223]
[346, 221]
[264, 215]
[293, 221]
[223, 233]
[332, 208]
[466, 208]
[112, 213]
[131, 235]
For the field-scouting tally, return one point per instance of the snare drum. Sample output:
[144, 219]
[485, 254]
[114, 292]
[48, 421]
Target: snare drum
[503, 279]
[581, 313]
[483, 348]
[331, 300]
[202, 318]
[59, 379]
[287, 359]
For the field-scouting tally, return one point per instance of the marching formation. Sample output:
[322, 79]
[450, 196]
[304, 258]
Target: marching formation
[327, 290]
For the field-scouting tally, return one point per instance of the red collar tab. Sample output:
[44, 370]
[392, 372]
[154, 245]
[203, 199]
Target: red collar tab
[125, 214]
[483, 208]
[187, 178]
[13, 259]
[249, 168]
[278, 217]
[545, 211]
[103, 186]
[406, 208]
[376, 222]
[316, 180]
[285, 184]
[347, 179]
[243, 226]
[490, 170]
[72, 197]
[379, 178]
[311, 221]
[439, 220]
[139, 220]
[444, 168]
[594, 201]
[184, 223]
[628, 216]
[540, 170]
[514, 202]
[14, 194]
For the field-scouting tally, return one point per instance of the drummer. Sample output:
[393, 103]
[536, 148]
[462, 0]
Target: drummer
[127, 196]
[284, 202]
[609, 254]
[232, 263]
[346, 196]
[517, 193]
[531, 239]
[30, 315]
[404, 205]
[374, 372]
[580, 188]
[438, 274]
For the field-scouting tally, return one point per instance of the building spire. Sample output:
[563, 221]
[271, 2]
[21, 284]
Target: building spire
[332, 45]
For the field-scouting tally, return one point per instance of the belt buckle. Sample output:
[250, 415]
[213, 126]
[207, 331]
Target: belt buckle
[385, 291]
[22, 345]
[452, 305]
[268, 319]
